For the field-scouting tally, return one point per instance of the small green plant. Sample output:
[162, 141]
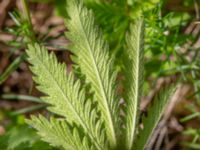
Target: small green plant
[91, 113]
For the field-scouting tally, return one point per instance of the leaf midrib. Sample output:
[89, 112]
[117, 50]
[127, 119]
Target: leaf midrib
[97, 144]
[109, 117]
[136, 98]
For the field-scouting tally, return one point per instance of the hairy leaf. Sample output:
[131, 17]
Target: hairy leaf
[92, 56]
[133, 71]
[59, 133]
[154, 114]
[64, 93]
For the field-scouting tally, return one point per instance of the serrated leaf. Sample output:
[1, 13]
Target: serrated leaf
[59, 133]
[93, 59]
[133, 71]
[64, 94]
[154, 114]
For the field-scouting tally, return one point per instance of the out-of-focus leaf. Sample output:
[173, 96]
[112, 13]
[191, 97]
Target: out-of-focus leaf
[28, 109]
[61, 7]
[176, 19]
[22, 138]
[21, 97]
[12, 67]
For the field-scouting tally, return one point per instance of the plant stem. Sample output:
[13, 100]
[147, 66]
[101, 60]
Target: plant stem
[30, 33]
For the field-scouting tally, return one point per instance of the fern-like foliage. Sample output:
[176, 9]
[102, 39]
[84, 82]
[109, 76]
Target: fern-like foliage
[59, 133]
[133, 61]
[88, 116]
[63, 93]
[154, 114]
[92, 56]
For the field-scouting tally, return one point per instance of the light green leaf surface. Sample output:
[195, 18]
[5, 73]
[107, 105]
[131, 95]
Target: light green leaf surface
[90, 107]
[154, 114]
[92, 56]
[59, 133]
[64, 93]
[133, 71]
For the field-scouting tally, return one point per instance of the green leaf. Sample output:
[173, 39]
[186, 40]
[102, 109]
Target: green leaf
[28, 109]
[11, 68]
[59, 133]
[20, 97]
[154, 114]
[133, 71]
[92, 56]
[20, 138]
[64, 94]
[130, 2]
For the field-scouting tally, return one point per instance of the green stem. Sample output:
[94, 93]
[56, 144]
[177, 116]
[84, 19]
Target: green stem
[30, 33]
